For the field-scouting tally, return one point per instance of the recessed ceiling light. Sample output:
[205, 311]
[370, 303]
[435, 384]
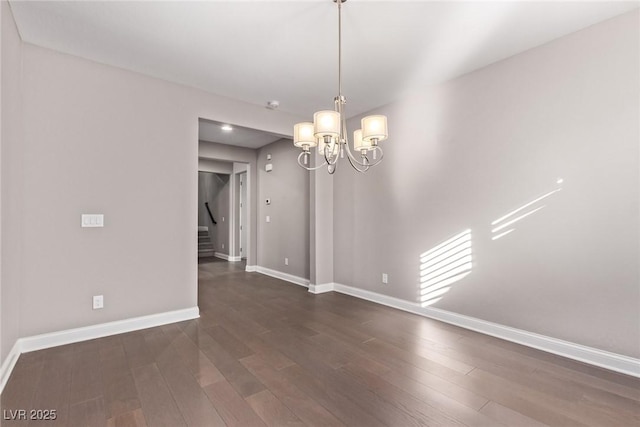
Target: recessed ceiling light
[226, 128]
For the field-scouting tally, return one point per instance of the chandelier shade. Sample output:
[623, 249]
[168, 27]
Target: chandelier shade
[303, 135]
[326, 123]
[358, 143]
[329, 130]
[374, 128]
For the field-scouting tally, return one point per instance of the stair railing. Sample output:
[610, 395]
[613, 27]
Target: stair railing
[206, 204]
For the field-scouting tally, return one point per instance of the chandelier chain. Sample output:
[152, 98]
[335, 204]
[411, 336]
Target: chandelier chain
[340, 49]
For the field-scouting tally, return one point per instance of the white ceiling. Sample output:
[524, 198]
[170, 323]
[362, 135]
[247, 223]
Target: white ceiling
[212, 131]
[263, 50]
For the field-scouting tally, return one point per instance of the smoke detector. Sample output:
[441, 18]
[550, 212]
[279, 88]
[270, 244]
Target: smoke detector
[272, 105]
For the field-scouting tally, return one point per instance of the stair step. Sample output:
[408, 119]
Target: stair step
[209, 253]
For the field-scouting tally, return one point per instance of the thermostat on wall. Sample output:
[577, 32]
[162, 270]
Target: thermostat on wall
[268, 167]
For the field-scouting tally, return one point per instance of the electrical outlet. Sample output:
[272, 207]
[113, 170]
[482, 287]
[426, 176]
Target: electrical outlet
[286, 261]
[98, 302]
[385, 278]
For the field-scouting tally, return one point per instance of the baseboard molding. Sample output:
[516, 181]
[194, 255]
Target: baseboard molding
[226, 257]
[321, 288]
[8, 364]
[251, 268]
[283, 276]
[69, 336]
[593, 356]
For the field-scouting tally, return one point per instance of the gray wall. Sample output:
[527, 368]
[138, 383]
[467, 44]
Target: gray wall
[322, 223]
[97, 139]
[463, 154]
[215, 166]
[11, 142]
[214, 189]
[287, 186]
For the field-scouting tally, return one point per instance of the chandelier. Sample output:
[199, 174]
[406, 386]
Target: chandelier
[328, 132]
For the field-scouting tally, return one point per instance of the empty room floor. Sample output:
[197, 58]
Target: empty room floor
[266, 352]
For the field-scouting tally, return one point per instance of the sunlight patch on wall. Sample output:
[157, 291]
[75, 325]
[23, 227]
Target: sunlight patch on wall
[444, 265]
[498, 226]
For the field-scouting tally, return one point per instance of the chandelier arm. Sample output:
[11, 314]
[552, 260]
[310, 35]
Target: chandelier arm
[331, 159]
[377, 147]
[352, 158]
[354, 164]
[307, 167]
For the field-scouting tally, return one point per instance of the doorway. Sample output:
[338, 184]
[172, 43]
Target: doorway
[213, 214]
[243, 223]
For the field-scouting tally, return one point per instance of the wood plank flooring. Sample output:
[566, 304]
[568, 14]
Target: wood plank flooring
[267, 353]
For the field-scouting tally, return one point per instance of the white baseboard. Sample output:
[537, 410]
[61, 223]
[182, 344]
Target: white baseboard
[9, 363]
[604, 359]
[226, 257]
[321, 288]
[69, 336]
[283, 276]
[251, 268]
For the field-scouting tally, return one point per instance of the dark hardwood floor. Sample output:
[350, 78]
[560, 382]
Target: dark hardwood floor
[266, 352]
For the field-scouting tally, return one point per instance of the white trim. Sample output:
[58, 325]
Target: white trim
[69, 336]
[9, 364]
[321, 288]
[221, 256]
[283, 276]
[612, 361]
[227, 257]
[251, 268]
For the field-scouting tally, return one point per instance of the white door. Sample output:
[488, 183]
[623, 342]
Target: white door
[243, 215]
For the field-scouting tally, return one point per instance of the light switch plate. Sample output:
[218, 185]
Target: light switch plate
[92, 220]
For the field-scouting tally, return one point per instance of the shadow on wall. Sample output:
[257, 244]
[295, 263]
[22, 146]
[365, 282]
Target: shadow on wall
[451, 260]
[444, 265]
[508, 220]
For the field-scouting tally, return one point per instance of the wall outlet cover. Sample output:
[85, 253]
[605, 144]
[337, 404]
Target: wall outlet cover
[98, 302]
